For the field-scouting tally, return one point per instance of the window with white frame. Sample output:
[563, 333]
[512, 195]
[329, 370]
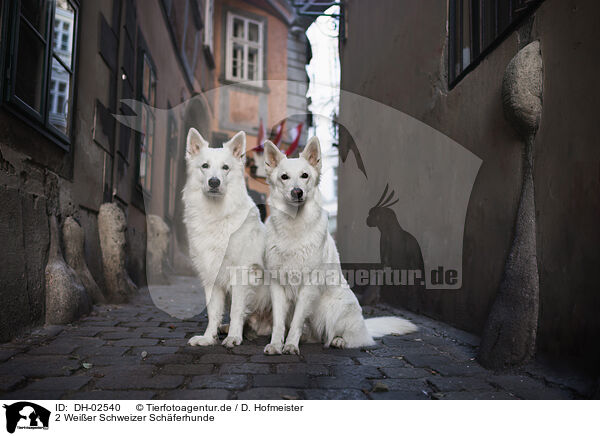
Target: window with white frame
[244, 56]
[209, 7]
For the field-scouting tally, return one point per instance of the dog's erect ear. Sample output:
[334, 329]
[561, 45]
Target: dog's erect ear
[237, 144]
[312, 153]
[272, 156]
[195, 143]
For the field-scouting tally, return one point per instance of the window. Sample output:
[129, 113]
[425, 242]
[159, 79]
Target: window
[209, 7]
[146, 144]
[244, 57]
[476, 27]
[41, 59]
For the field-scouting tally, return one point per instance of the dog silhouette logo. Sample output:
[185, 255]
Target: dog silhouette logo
[26, 415]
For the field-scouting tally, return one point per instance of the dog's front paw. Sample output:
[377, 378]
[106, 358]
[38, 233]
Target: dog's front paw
[232, 341]
[291, 349]
[202, 341]
[272, 349]
[338, 342]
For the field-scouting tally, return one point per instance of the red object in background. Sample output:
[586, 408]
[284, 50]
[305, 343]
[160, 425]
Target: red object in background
[260, 138]
[294, 145]
[279, 134]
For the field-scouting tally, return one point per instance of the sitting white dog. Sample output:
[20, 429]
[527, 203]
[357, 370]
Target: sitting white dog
[225, 234]
[298, 240]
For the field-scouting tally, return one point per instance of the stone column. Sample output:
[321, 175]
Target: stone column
[509, 335]
[156, 251]
[111, 227]
[66, 298]
[74, 239]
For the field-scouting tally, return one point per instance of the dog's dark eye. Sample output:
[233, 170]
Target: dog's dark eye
[205, 165]
[304, 175]
[284, 177]
[225, 167]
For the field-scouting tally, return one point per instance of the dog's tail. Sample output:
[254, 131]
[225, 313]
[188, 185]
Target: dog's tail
[389, 325]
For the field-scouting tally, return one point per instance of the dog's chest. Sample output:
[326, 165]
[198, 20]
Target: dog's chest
[214, 242]
[292, 252]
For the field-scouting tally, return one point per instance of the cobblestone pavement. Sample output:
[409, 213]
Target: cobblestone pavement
[137, 351]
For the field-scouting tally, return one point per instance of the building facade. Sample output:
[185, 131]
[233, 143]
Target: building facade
[442, 63]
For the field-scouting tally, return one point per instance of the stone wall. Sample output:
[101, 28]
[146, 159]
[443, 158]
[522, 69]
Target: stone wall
[396, 54]
[25, 238]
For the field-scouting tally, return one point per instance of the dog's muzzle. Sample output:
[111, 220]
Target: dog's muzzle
[297, 194]
[214, 185]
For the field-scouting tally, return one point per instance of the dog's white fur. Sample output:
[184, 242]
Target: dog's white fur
[224, 231]
[297, 239]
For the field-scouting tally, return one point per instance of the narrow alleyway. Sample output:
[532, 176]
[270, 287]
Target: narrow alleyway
[137, 351]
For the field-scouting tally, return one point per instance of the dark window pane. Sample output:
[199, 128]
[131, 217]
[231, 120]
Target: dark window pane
[167, 4]
[30, 66]
[150, 135]
[64, 27]
[475, 25]
[144, 126]
[143, 167]
[466, 33]
[1, 18]
[152, 101]
[457, 39]
[252, 63]
[148, 178]
[504, 15]
[238, 28]
[148, 83]
[59, 98]
[488, 22]
[146, 149]
[36, 12]
[237, 59]
[253, 32]
[146, 79]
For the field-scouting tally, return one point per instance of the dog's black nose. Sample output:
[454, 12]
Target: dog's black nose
[297, 193]
[213, 182]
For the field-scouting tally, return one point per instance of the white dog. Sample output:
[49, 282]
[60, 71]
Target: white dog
[225, 233]
[298, 241]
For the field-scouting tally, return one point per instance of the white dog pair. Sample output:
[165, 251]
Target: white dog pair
[225, 231]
